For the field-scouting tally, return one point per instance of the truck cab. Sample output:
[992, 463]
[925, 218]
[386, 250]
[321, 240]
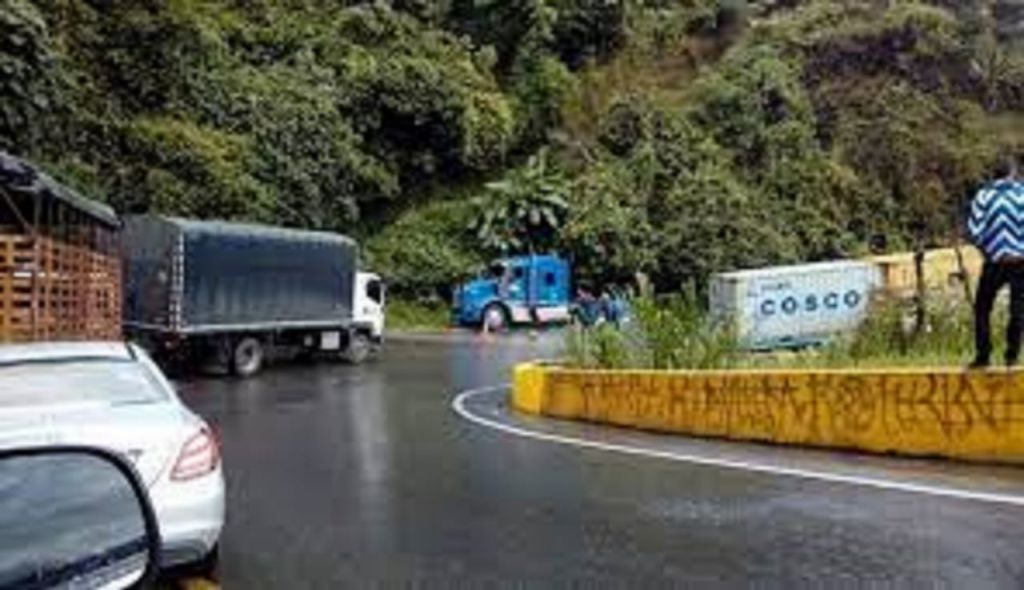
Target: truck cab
[368, 304]
[518, 290]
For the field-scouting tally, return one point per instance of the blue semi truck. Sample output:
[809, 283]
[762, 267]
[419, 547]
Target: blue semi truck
[520, 290]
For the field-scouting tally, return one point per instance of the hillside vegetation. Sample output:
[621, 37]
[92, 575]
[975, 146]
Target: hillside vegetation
[670, 137]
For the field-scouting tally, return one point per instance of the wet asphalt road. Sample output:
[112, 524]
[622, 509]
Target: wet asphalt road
[363, 476]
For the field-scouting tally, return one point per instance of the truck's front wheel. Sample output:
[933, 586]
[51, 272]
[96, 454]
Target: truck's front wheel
[494, 319]
[359, 348]
[247, 357]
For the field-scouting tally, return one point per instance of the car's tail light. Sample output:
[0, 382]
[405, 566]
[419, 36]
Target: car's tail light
[199, 456]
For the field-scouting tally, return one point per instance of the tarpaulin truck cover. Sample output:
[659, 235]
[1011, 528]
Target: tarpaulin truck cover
[206, 276]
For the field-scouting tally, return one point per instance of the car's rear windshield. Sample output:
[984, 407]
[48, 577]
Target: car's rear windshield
[86, 381]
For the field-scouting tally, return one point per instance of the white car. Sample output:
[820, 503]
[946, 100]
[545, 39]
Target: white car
[113, 396]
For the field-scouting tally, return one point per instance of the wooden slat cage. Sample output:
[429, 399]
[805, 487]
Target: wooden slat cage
[60, 269]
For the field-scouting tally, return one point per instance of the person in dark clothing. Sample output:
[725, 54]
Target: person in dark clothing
[996, 227]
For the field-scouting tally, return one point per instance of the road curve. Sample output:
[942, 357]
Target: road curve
[341, 476]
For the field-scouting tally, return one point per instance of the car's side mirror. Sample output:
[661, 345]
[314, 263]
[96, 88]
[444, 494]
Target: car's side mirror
[74, 517]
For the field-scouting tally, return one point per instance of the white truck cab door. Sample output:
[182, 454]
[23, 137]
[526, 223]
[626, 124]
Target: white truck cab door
[369, 302]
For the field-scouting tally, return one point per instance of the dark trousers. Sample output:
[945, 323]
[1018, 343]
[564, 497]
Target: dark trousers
[994, 276]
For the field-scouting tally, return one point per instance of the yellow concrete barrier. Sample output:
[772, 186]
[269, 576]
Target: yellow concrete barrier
[930, 412]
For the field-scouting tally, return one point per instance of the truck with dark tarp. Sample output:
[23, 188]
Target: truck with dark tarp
[235, 293]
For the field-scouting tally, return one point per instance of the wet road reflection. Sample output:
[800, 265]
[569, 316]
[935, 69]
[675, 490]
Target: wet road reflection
[342, 476]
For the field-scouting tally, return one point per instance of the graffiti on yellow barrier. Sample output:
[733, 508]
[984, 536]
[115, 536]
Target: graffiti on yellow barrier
[926, 412]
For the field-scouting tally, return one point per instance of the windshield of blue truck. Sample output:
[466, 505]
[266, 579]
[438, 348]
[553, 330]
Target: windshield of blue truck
[494, 272]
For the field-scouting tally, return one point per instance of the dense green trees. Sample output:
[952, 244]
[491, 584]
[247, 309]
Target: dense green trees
[26, 74]
[307, 116]
[670, 137]
[523, 212]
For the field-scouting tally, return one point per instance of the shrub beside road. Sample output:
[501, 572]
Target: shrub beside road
[675, 332]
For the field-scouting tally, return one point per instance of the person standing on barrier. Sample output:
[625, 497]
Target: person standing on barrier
[996, 227]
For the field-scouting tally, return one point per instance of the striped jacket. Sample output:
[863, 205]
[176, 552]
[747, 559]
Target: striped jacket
[996, 225]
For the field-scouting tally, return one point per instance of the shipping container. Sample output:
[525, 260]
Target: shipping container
[235, 290]
[794, 306]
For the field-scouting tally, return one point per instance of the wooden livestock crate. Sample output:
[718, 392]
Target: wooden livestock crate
[57, 291]
[60, 270]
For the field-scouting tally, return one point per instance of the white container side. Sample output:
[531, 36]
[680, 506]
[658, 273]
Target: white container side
[791, 306]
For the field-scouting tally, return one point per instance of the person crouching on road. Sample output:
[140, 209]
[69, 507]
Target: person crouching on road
[996, 227]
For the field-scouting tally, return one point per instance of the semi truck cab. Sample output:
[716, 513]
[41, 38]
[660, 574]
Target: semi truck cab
[519, 290]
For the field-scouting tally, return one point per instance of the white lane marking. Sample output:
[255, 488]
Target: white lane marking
[459, 406]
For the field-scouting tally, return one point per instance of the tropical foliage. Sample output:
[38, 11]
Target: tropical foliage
[524, 211]
[673, 138]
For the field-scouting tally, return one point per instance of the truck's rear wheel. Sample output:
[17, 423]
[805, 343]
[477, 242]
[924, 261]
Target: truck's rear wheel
[247, 357]
[358, 349]
[494, 319]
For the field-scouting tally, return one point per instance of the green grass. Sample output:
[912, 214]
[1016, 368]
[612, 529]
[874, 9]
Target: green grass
[663, 333]
[416, 316]
[675, 333]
